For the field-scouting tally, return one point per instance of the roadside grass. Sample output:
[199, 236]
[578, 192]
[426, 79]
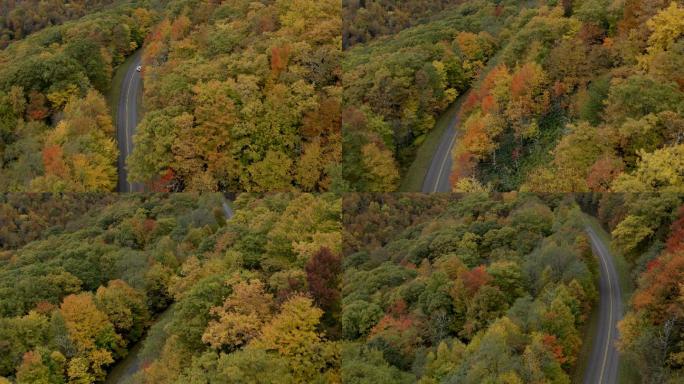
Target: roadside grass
[145, 350]
[626, 284]
[589, 336]
[415, 175]
[114, 94]
[627, 373]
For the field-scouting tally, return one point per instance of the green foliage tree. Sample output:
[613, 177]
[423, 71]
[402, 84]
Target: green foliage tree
[125, 307]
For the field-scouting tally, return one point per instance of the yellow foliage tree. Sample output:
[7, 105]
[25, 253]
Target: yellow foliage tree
[293, 335]
[381, 169]
[666, 26]
[241, 316]
[93, 336]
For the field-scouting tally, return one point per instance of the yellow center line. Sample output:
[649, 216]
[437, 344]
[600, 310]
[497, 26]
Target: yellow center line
[610, 311]
[128, 149]
[441, 169]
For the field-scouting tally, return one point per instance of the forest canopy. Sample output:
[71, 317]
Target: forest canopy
[242, 96]
[468, 289]
[364, 20]
[396, 87]
[238, 96]
[19, 19]
[589, 93]
[56, 131]
[256, 289]
[550, 96]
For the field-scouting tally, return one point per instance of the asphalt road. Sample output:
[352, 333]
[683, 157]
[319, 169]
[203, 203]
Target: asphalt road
[437, 178]
[123, 371]
[603, 366]
[126, 121]
[226, 210]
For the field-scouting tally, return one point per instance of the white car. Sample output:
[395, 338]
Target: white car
[138, 68]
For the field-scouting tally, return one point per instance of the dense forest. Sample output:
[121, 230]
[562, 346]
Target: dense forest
[254, 294]
[464, 289]
[242, 96]
[586, 97]
[588, 89]
[568, 152]
[499, 288]
[395, 87]
[648, 229]
[364, 20]
[20, 18]
[56, 131]
[260, 302]
[238, 95]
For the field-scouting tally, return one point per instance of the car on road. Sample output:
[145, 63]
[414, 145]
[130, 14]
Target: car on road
[138, 68]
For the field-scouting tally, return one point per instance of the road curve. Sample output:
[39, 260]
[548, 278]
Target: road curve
[603, 366]
[123, 371]
[437, 177]
[126, 121]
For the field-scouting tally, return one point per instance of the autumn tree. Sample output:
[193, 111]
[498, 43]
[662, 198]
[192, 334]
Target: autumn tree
[42, 367]
[659, 170]
[650, 334]
[323, 273]
[240, 318]
[125, 307]
[667, 27]
[292, 334]
[381, 171]
[94, 336]
[88, 165]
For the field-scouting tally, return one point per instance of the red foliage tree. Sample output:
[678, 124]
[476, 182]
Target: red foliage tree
[36, 109]
[53, 161]
[488, 104]
[474, 279]
[45, 307]
[675, 242]
[659, 286]
[279, 59]
[603, 172]
[470, 103]
[165, 183]
[551, 342]
[322, 273]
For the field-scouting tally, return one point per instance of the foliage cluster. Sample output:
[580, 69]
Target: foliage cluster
[467, 289]
[396, 86]
[365, 20]
[56, 133]
[241, 96]
[253, 294]
[601, 104]
[18, 19]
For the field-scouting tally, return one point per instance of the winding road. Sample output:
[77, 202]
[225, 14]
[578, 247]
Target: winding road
[437, 177]
[126, 121]
[603, 365]
[123, 371]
